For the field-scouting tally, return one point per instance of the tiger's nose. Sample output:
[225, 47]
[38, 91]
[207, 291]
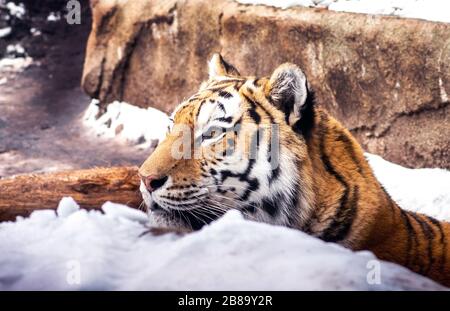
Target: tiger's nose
[152, 183]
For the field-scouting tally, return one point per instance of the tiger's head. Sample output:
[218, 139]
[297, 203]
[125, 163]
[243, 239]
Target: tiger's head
[235, 144]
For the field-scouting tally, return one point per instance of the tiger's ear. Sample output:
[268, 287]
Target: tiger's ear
[288, 91]
[219, 67]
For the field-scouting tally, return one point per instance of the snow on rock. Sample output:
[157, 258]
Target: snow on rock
[92, 251]
[425, 190]
[15, 50]
[5, 32]
[138, 126]
[16, 59]
[15, 64]
[433, 10]
[16, 10]
[35, 32]
[54, 17]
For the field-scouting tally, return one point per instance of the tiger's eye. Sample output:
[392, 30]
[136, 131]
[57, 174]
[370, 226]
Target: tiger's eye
[213, 132]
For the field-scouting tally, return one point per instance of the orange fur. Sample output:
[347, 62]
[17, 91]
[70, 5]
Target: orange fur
[380, 225]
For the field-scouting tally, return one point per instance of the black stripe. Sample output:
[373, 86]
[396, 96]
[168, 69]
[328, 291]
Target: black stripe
[429, 235]
[193, 98]
[343, 219]
[253, 183]
[221, 107]
[305, 125]
[238, 86]
[392, 205]
[443, 240]
[269, 206]
[199, 108]
[411, 234]
[255, 104]
[250, 208]
[226, 120]
[225, 94]
[271, 118]
[252, 111]
[275, 173]
[344, 216]
[256, 82]
[229, 68]
[349, 148]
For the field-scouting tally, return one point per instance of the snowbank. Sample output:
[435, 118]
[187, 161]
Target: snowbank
[76, 249]
[134, 125]
[425, 190]
[433, 10]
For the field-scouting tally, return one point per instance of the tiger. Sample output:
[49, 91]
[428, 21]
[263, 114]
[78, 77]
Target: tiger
[314, 177]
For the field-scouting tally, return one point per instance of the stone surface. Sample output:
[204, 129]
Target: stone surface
[41, 107]
[386, 78]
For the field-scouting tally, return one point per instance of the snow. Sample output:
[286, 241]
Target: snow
[15, 64]
[76, 249]
[5, 32]
[433, 10]
[16, 59]
[115, 210]
[66, 207]
[35, 32]
[137, 126]
[14, 50]
[424, 190]
[17, 10]
[94, 251]
[54, 17]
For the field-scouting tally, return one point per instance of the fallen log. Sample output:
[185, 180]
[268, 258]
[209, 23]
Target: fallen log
[22, 194]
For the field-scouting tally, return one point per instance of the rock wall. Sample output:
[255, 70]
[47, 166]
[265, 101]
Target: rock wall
[387, 79]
